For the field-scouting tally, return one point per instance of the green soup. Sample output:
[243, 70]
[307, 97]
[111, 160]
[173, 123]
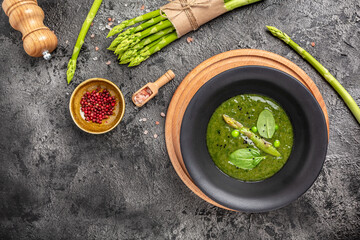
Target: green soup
[246, 109]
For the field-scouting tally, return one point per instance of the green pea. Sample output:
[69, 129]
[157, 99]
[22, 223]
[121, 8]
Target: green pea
[276, 127]
[254, 129]
[235, 133]
[277, 143]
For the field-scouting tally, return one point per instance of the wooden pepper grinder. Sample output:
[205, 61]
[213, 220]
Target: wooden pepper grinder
[27, 17]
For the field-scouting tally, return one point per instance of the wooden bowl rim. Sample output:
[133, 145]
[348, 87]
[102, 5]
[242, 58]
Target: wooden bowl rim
[121, 101]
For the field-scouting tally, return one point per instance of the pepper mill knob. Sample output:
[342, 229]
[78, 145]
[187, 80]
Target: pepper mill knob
[27, 17]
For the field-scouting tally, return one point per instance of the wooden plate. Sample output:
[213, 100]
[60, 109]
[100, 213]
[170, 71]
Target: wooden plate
[204, 72]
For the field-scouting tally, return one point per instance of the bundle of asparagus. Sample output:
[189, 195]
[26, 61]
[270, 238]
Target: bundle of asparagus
[154, 32]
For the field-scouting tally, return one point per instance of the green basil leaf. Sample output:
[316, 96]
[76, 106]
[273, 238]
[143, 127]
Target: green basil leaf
[266, 124]
[246, 158]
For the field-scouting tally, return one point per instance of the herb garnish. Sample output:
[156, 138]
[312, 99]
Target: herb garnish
[246, 158]
[266, 124]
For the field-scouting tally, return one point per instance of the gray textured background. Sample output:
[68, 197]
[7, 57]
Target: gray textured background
[57, 182]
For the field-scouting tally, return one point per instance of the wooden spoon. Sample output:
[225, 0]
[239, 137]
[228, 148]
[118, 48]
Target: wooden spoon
[150, 90]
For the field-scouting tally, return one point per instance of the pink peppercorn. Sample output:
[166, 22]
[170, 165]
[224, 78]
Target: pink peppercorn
[97, 105]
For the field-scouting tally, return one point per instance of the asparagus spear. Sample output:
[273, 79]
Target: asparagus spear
[350, 102]
[259, 142]
[232, 4]
[130, 22]
[135, 38]
[147, 47]
[146, 54]
[132, 30]
[127, 43]
[146, 41]
[122, 36]
[143, 50]
[149, 23]
[80, 40]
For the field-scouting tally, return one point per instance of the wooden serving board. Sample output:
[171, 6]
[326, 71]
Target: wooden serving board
[203, 73]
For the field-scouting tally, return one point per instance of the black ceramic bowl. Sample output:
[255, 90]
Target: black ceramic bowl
[307, 156]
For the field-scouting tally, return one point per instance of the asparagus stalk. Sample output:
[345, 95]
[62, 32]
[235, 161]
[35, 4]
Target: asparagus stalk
[232, 4]
[350, 102]
[146, 41]
[149, 23]
[147, 47]
[80, 40]
[132, 30]
[121, 37]
[119, 28]
[259, 142]
[146, 54]
[137, 52]
[135, 38]
[127, 43]
[143, 50]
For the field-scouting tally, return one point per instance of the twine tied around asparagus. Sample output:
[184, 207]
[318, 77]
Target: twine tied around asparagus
[186, 6]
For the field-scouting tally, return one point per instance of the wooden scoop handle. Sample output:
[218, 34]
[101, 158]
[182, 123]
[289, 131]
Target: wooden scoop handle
[27, 17]
[164, 79]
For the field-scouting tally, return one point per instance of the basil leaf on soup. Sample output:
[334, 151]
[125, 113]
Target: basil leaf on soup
[266, 124]
[246, 158]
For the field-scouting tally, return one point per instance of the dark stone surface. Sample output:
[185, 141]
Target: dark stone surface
[57, 182]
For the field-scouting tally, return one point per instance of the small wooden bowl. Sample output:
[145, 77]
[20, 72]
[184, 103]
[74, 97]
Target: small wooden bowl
[75, 107]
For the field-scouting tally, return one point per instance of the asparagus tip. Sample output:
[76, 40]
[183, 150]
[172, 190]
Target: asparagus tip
[124, 61]
[111, 33]
[279, 34]
[70, 70]
[133, 64]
